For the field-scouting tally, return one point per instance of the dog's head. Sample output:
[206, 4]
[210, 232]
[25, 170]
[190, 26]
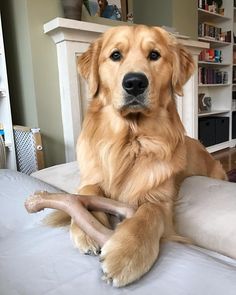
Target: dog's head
[136, 69]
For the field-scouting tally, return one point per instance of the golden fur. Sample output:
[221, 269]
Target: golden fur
[137, 155]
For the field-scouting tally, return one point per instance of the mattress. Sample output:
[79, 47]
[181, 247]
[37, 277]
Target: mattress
[36, 260]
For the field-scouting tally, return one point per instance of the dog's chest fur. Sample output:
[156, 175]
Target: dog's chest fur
[132, 171]
[133, 164]
[125, 158]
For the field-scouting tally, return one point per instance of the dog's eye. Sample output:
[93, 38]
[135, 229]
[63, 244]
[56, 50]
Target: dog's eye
[116, 56]
[154, 55]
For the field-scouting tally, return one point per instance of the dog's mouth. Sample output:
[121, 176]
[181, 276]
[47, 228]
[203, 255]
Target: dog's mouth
[134, 104]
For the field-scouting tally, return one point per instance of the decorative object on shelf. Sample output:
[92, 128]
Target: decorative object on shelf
[127, 10]
[200, 105]
[234, 104]
[130, 17]
[72, 8]
[2, 131]
[204, 103]
[107, 11]
[211, 6]
[234, 101]
[211, 55]
[218, 4]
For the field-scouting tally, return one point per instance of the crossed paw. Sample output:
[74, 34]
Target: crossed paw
[124, 257]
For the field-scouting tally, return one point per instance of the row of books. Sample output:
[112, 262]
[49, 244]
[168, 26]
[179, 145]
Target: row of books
[212, 76]
[202, 4]
[211, 55]
[212, 32]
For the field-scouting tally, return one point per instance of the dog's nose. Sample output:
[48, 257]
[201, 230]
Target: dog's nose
[135, 83]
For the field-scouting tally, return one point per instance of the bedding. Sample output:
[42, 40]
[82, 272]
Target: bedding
[37, 260]
[205, 211]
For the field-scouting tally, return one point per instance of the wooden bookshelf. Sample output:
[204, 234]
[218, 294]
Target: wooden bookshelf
[221, 94]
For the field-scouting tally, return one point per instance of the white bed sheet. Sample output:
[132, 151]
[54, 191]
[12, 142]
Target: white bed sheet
[36, 260]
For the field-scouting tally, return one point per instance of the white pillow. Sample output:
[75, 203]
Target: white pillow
[64, 176]
[206, 213]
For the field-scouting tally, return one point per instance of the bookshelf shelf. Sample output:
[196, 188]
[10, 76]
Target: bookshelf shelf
[213, 28]
[210, 63]
[214, 43]
[205, 15]
[220, 146]
[212, 113]
[214, 85]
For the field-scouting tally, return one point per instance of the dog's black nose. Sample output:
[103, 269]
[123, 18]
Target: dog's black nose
[135, 83]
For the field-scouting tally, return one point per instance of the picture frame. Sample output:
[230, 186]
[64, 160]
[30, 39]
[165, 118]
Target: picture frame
[91, 12]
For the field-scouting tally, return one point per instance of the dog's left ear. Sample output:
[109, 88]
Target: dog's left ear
[88, 66]
[183, 67]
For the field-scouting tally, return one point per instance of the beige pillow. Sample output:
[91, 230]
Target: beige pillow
[206, 213]
[64, 176]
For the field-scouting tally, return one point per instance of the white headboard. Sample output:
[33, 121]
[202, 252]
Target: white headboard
[72, 38]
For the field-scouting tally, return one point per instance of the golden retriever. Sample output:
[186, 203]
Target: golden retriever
[133, 147]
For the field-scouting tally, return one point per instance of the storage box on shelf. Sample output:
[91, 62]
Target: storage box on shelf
[213, 130]
[215, 75]
[234, 125]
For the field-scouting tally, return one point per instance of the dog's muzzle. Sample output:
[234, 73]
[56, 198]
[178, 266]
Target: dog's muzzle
[135, 85]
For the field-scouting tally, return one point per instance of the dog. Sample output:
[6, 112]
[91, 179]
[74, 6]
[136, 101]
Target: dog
[133, 146]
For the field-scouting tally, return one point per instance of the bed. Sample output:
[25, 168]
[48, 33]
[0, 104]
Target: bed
[36, 260]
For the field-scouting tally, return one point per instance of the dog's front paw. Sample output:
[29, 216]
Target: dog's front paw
[83, 242]
[126, 258]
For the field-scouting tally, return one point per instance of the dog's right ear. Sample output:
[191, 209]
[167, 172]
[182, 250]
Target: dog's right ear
[88, 66]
